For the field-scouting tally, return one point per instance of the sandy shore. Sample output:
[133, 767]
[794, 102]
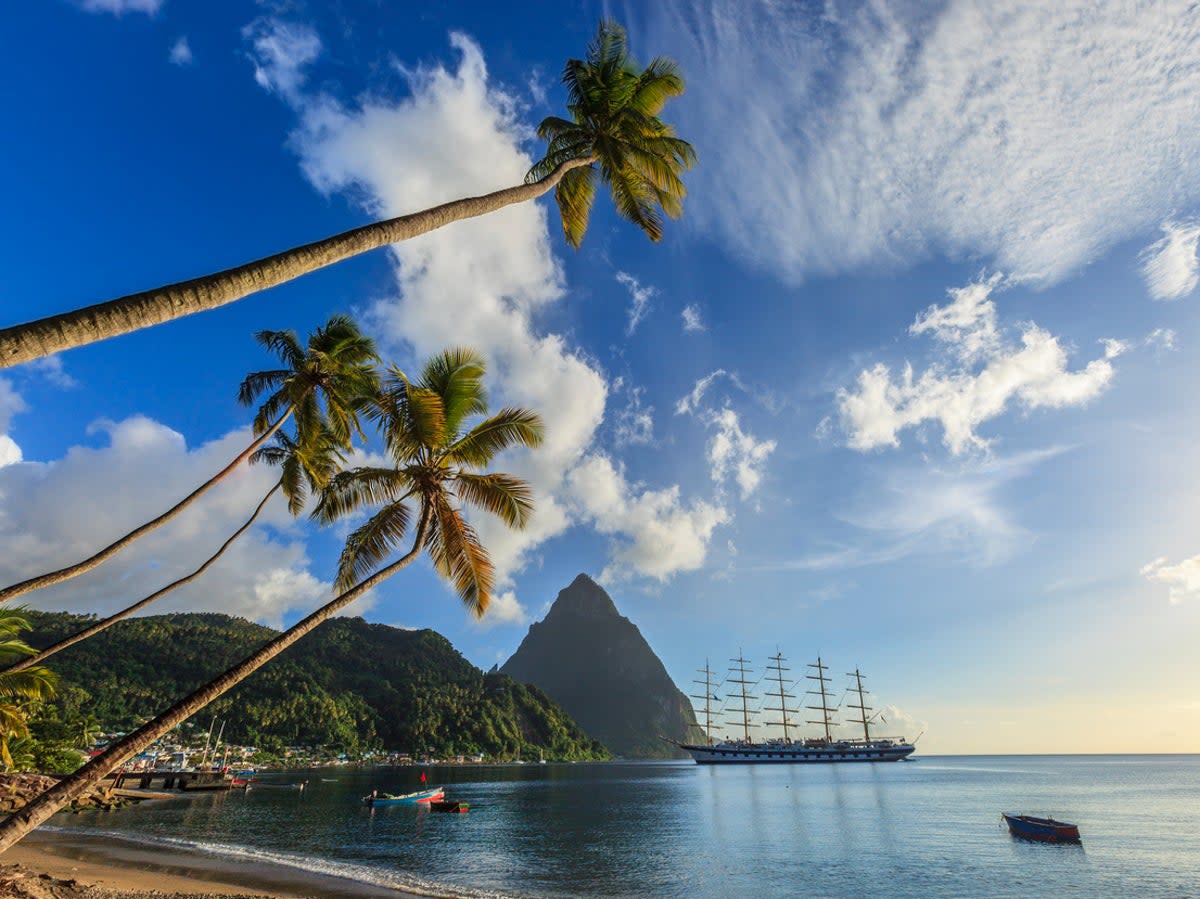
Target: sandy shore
[61, 866]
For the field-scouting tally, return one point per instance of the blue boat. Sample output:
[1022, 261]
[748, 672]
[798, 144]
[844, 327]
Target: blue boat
[420, 797]
[1043, 830]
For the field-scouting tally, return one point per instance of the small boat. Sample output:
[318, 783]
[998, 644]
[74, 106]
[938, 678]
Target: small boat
[449, 805]
[420, 797]
[255, 784]
[1044, 830]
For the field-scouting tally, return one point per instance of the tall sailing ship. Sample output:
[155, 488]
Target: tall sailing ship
[791, 748]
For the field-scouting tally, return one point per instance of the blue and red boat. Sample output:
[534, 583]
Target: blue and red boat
[1043, 830]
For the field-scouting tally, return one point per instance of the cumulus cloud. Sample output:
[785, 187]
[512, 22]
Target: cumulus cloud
[692, 320]
[263, 576]
[504, 609]
[181, 52]
[1170, 265]
[1034, 135]
[1182, 580]
[641, 297]
[481, 282]
[731, 451]
[654, 532]
[985, 376]
[120, 7]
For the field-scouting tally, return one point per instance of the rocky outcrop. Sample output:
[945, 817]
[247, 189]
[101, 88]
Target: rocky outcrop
[595, 663]
[18, 789]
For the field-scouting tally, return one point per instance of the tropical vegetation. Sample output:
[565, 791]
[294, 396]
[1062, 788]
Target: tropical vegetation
[20, 691]
[613, 134]
[348, 689]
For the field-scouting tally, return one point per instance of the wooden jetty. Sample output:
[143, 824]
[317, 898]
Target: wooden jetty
[169, 779]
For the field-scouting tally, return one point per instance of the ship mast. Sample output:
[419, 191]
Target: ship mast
[708, 697]
[777, 668]
[862, 707]
[823, 708]
[742, 693]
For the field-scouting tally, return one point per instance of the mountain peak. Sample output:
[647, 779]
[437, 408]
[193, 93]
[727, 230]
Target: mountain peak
[583, 599]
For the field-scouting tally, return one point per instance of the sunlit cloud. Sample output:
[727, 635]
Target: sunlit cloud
[985, 374]
[1182, 580]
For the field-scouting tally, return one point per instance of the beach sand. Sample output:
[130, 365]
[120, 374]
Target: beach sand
[59, 866]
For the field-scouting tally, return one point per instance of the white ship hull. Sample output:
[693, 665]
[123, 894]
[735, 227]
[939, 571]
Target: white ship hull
[798, 753]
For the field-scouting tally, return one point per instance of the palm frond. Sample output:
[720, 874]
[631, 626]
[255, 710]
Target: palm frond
[575, 194]
[456, 376]
[459, 556]
[349, 491]
[509, 427]
[368, 546]
[507, 497]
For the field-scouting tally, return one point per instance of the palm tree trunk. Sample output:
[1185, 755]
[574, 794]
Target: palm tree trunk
[32, 340]
[65, 574]
[105, 623]
[20, 822]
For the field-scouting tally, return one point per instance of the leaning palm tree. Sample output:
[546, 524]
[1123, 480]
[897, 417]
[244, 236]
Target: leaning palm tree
[303, 467]
[437, 463]
[336, 366]
[614, 125]
[20, 687]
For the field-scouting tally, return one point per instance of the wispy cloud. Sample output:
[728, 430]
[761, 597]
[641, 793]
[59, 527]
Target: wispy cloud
[641, 297]
[120, 7]
[281, 52]
[692, 321]
[1170, 265]
[181, 52]
[732, 452]
[984, 374]
[1032, 135]
[1182, 580]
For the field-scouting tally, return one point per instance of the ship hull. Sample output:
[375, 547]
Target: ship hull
[796, 754]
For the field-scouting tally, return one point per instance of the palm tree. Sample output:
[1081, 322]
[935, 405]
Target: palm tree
[18, 688]
[336, 366]
[304, 466]
[614, 124]
[614, 109]
[437, 464]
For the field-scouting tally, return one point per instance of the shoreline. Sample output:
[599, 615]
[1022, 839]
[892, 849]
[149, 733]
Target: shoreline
[58, 865]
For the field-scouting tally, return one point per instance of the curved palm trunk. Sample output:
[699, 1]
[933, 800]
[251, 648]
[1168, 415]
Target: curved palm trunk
[105, 623]
[32, 340]
[65, 574]
[20, 822]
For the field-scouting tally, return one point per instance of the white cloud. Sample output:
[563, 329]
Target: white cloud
[120, 7]
[55, 513]
[181, 52]
[281, 52]
[11, 403]
[1032, 135]
[1161, 337]
[505, 609]
[990, 375]
[732, 452]
[691, 402]
[1170, 265]
[481, 282]
[1183, 580]
[641, 300]
[654, 533]
[635, 423]
[692, 320]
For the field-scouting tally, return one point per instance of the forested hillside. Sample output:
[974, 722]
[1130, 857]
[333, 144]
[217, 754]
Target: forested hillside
[348, 686]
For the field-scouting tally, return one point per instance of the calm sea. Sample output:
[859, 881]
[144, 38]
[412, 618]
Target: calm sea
[928, 827]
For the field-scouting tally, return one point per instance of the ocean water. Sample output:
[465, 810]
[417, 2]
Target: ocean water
[924, 828]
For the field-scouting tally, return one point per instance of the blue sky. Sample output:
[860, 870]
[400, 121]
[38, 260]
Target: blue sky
[906, 386]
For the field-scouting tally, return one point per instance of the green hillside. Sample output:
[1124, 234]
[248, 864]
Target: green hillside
[348, 686]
